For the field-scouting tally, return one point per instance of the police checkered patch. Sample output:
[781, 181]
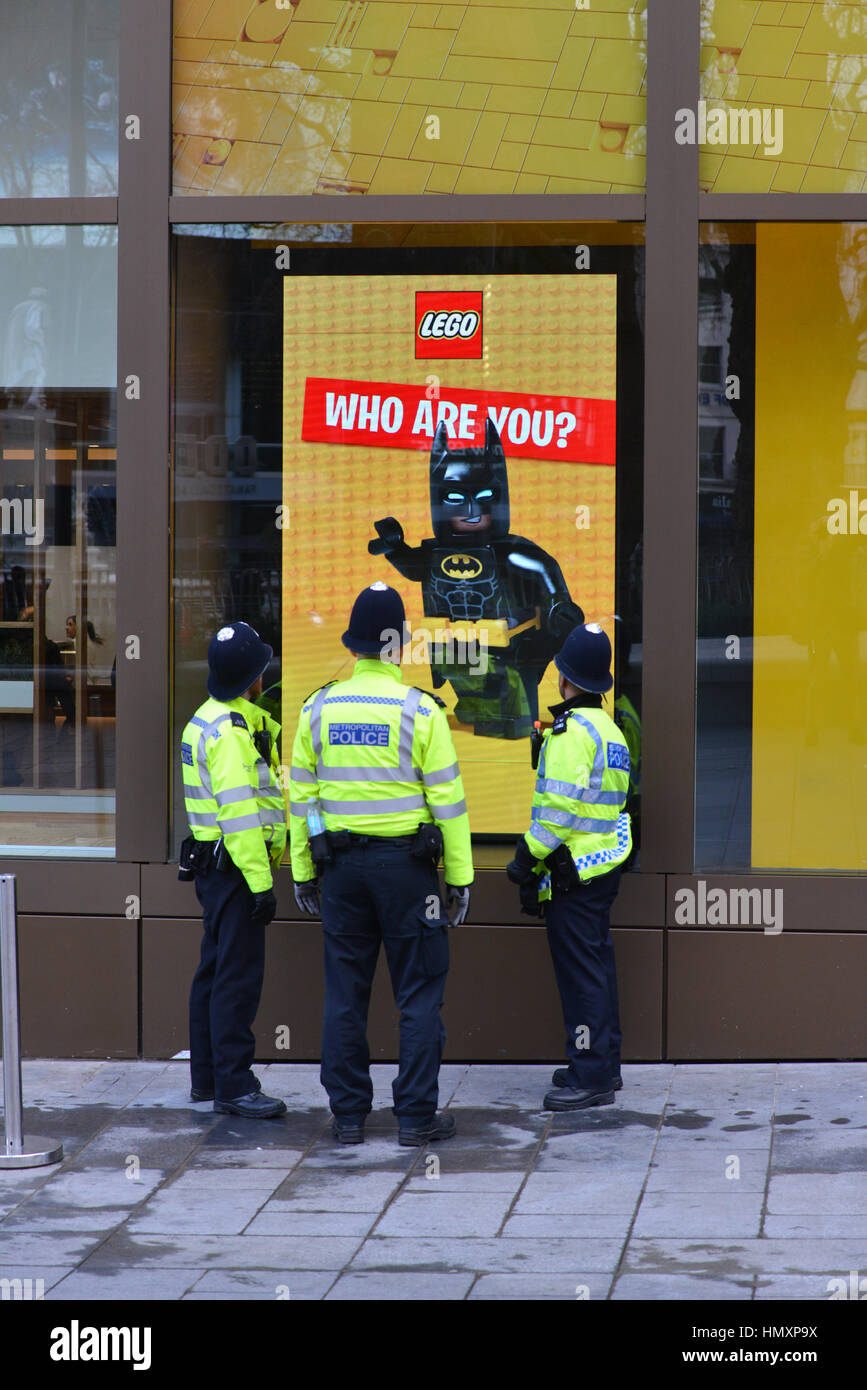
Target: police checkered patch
[187, 754]
[359, 735]
[618, 756]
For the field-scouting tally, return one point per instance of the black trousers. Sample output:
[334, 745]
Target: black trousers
[582, 952]
[375, 891]
[226, 988]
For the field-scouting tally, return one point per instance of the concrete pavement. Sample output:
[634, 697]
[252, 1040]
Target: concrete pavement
[736, 1182]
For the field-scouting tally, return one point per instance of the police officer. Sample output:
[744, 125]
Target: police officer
[376, 795]
[580, 835]
[237, 817]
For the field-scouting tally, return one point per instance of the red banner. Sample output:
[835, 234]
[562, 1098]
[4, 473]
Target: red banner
[573, 429]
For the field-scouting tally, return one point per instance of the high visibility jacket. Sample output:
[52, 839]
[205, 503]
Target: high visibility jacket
[581, 790]
[231, 790]
[626, 718]
[375, 757]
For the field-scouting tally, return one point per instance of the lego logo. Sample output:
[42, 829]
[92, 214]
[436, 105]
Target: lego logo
[446, 325]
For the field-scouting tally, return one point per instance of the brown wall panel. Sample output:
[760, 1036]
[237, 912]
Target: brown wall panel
[809, 903]
[501, 1000]
[734, 995]
[79, 987]
[81, 887]
[639, 903]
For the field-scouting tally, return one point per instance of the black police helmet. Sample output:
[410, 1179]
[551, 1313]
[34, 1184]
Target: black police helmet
[585, 659]
[378, 620]
[237, 657]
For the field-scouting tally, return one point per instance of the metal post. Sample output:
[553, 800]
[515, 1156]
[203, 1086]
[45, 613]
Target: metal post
[19, 1150]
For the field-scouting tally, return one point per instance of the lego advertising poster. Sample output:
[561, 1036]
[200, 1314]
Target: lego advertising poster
[454, 437]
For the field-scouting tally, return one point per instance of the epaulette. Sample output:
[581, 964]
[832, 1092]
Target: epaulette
[238, 720]
[559, 725]
[429, 693]
[316, 690]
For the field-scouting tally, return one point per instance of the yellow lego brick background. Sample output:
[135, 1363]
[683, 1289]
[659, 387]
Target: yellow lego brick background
[417, 87]
[807, 59]
[554, 334]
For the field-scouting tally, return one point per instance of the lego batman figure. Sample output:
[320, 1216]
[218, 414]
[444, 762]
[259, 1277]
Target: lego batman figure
[474, 572]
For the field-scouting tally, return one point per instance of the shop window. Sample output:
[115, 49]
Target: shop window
[57, 540]
[379, 96]
[287, 454]
[783, 97]
[58, 98]
[782, 597]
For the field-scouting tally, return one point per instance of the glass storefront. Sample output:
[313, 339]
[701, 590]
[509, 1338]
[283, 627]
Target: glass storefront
[278, 491]
[386, 97]
[58, 539]
[782, 649]
[58, 98]
[784, 99]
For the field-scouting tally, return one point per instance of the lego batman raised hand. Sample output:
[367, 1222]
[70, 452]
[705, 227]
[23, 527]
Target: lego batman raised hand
[390, 534]
[407, 560]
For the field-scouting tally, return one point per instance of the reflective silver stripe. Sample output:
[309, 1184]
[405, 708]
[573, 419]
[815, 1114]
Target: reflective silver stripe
[212, 727]
[589, 824]
[197, 793]
[300, 774]
[407, 730]
[545, 837]
[573, 793]
[299, 808]
[445, 774]
[366, 774]
[253, 821]
[208, 818]
[447, 812]
[264, 774]
[599, 756]
[232, 795]
[316, 722]
[235, 823]
[374, 808]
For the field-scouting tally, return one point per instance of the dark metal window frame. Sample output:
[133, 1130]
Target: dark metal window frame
[671, 209]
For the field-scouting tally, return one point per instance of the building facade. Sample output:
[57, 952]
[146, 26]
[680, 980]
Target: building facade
[215, 219]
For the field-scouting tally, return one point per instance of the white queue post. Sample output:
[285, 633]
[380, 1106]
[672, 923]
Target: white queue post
[19, 1150]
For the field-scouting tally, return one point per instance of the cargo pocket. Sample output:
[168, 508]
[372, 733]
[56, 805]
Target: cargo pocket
[434, 947]
[434, 950]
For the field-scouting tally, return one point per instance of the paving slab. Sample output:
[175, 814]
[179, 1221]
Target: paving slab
[728, 1258]
[262, 1284]
[232, 1251]
[399, 1287]
[328, 1191]
[445, 1214]
[314, 1223]
[672, 1288]
[41, 1278]
[125, 1284]
[571, 1286]
[505, 1255]
[733, 1213]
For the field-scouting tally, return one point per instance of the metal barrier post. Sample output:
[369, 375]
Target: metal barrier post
[19, 1150]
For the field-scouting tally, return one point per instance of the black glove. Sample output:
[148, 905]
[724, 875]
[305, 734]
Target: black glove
[520, 869]
[458, 904]
[529, 895]
[307, 897]
[390, 534]
[264, 908]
